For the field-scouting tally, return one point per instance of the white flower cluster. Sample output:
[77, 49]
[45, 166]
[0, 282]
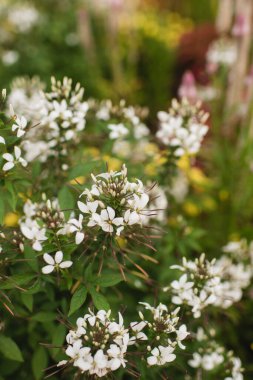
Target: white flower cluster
[113, 204]
[27, 100]
[99, 345]
[240, 250]
[212, 356]
[236, 277]
[65, 109]
[164, 334]
[18, 127]
[62, 118]
[222, 52]
[38, 217]
[183, 127]
[23, 17]
[125, 126]
[217, 282]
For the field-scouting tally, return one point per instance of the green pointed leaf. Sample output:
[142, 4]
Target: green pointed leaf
[44, 316]
[9, 349]
[107, 280]
[66, 200]
[58, 339]
[31, 257]
[17, 280]
[39, 363]
[99, 300]
[78, 299]
[27, 300]
[1, 210]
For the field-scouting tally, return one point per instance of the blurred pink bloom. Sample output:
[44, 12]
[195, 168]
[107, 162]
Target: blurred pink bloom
[187, 87]
[211, 67]
[241, 26]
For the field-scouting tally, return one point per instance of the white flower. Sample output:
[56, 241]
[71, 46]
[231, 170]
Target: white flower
[182, 333]
[137, 328]
[73, 351]
[12, 160]
[161, 355]
[131, 217]
[88, 208]
[19, 126]
[76, 226]
[99, 364]
[55, 263]
[9, 57]
[32, 232]
[182, 284]
[116, 356]
[107, 219]
[117, 131]
[2, 140]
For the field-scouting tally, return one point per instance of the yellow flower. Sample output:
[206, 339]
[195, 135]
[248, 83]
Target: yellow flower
[223, 195]
[76, 180]
[184, 163]
[209, 204]
[150, 149]
[11, 219]
[172, 221]
[92, 151]
[112, 162]
[197, 177]
[150, 169]
[234, 237]
[25, 197]
[191, 208]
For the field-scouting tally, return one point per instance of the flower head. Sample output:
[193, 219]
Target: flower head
[55, 263]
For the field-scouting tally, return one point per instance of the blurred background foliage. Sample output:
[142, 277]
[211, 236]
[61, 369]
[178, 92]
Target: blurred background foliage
[115, 49]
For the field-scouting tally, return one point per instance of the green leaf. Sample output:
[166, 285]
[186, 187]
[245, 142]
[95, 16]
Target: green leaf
[39, 362]
[99, 300]
[88, 273]
[66, 200]
[31, 257]
[107, 280]
[77, 299]
[12, 195]
[27, 300]
[44, 316]
[1, 209]
[9, 349]
[17, 280]
[58, 339]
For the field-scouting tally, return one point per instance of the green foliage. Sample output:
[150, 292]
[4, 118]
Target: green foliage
[78, 299]
[10, 349]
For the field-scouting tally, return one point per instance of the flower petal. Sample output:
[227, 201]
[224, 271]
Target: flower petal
[58, 257]
[48, 259]
[48, 269]
[8, 166]
[79, 237]
[66, 264]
